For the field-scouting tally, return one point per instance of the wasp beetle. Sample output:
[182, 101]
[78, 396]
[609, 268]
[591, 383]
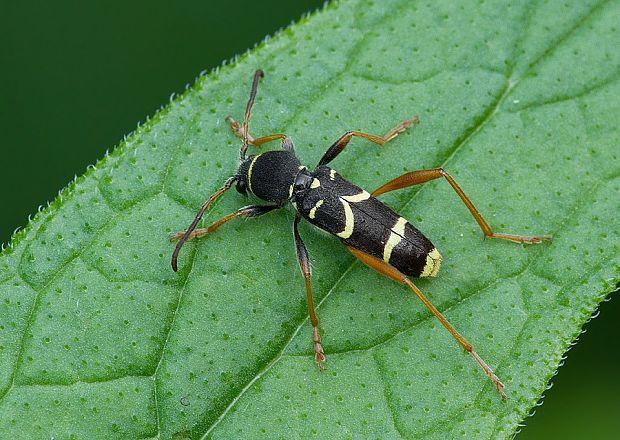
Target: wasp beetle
[370, 230]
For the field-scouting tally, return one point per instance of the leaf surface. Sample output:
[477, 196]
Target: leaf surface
[100, 339]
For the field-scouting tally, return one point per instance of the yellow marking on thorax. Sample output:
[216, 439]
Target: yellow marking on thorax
[250, 172]
[332, 174]
[433, 262]
[313, 210]
[290, 191]
[315, 183]
[396, 235]
[364, 195]
[348, 220]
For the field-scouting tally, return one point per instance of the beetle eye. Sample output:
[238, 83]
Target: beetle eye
[242, 187]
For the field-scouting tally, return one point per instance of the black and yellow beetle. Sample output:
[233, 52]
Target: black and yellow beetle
[370, 230]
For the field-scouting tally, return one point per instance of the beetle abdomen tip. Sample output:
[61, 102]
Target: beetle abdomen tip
[433, 263]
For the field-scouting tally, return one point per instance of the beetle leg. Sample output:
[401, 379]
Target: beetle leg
[422, 176]
[196, 233]
[304, 265]
[229, 182]
[246, 211]
[248, 109]
[237, 129]
[242, 130]
[391, 272]
[342, 142]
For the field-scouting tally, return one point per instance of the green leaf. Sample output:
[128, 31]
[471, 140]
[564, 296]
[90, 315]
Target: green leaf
[99, 338]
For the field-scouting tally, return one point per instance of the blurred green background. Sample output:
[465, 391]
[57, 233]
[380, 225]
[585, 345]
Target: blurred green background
[76, 76]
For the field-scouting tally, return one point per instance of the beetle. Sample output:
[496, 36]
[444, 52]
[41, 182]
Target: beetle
[369, 229]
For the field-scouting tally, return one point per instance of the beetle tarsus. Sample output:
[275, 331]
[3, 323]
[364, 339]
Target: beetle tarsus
[319, 356]
[498, 383]
[525, 239]
[237, 129]
[401, 128]
[196, 233]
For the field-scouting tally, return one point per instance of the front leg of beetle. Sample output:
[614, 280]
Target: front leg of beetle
[344, 140]
[246, 211]
[237, 129]
[304, 265]
[192, 232]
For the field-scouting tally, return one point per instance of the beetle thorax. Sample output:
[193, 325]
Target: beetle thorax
[270, 175]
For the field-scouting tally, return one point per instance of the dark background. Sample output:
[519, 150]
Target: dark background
[76, 76]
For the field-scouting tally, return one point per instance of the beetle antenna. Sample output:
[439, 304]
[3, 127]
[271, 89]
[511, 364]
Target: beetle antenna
[246, 117]
[204, 207]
